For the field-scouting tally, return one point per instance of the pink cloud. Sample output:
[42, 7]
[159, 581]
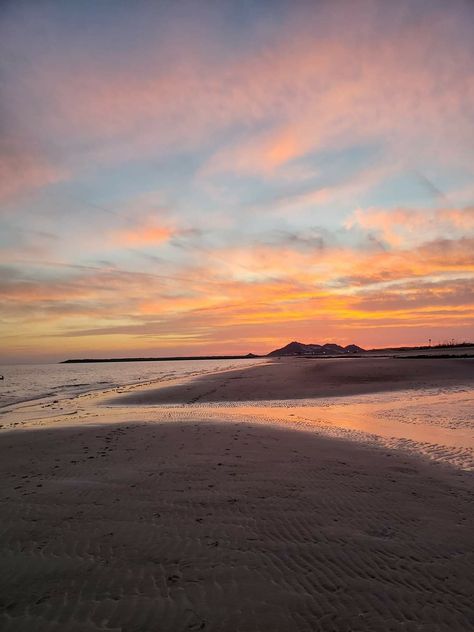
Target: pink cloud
[24, 168]
[308, 92]
[404, 227]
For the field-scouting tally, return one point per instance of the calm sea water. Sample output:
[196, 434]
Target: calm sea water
[33, 381]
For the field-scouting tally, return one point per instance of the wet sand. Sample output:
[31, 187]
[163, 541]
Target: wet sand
[298, 378]
[243, 515]
[226, 527]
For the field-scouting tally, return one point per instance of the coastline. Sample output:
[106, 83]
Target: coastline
[377, 401]
[303, 378]
[234, 514]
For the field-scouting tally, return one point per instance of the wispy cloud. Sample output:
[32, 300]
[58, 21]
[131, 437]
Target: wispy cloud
[25, 168]
[144, 235]
[403, 226]
[172, 176]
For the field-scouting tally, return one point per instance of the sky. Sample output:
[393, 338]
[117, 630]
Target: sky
[224, 177]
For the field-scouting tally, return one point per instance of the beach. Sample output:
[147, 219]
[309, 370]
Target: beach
[237, 316]
[290, 495]
[299, 378]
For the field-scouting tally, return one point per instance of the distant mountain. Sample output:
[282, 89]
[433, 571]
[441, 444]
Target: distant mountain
[300, 349]
[353, 349]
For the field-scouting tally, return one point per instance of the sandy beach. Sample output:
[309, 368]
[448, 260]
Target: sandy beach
[132, 511]
[297, 378]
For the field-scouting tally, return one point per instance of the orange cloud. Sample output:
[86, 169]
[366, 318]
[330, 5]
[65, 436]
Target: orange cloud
[262, 153]
[136, 310]
[144, 236]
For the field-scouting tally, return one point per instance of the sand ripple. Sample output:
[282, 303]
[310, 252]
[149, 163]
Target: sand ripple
[225, 527]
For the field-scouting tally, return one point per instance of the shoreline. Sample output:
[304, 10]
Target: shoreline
[273, 515]
[370, 404]
[137, 381]
[301, 378]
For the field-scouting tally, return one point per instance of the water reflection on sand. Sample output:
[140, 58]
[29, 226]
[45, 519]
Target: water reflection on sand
[437, 423]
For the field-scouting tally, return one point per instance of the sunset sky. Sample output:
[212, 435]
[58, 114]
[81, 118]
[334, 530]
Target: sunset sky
[224, 177]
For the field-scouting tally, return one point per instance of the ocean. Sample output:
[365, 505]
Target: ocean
[25, 382]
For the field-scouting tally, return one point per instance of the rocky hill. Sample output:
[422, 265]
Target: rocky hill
[300, 349]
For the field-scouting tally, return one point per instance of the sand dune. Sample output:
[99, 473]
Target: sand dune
[226, 527]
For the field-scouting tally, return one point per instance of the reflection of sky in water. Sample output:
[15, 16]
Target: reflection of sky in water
[438, 423]
[445, 417]
[29, 382]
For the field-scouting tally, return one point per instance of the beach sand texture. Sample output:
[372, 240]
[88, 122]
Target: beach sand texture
[185, 522]
[295, 378]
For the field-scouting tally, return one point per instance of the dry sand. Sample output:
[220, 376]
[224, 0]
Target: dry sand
[294, 378]
[186, 518]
